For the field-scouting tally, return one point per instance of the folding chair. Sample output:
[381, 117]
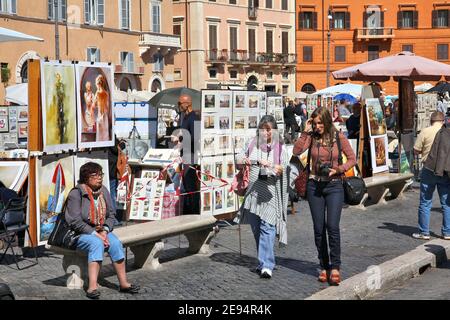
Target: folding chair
[12, 221]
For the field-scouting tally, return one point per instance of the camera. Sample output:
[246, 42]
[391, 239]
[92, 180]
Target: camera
[324, 169]
[263, 173]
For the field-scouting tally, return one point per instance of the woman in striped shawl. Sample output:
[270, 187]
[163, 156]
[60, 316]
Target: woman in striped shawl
[266, 199]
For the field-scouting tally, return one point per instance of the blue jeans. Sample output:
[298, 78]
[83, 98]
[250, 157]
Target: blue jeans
[264, 234]
[325, 202]
[428, 183]
[93, 245]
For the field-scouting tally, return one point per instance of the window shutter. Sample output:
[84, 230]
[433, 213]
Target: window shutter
[415, 19]
[131, 59]
[347, 21]
[63, 8]
[382, 19]
[285, 42]
[399, 19]
[331, 22]
[448, 18]
[315, 20]
[365, 19]
[97, 55]
[87, 11]
[123, 14]
[434, 18]
[50, 9]
[100, 12]
[301, 18]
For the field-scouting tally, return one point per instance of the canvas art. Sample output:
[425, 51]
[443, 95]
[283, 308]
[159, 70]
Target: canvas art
[253, 101]
[95, 105]
[58, 106]
[379, 153]
[147, 199]
[150, 174]
[4, 124]
[208, 145]
[209, 102]
[239, 100]
[239, 122]
[224, 122]
[159, 155]
[219, 205]
[375, 116]
[206, 200]
[22, 129]
[208, 121]
[55, 179]
[11, 173]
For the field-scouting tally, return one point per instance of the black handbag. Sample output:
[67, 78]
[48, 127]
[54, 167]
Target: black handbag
[62, 235]
[354, 187]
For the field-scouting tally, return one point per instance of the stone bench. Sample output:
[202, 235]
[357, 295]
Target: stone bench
[379, 186]
[144, 240]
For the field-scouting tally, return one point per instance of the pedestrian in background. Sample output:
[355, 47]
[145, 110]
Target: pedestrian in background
[353, 123]
[433, 143]
[325, 192]
[291, 125]
[266, 199]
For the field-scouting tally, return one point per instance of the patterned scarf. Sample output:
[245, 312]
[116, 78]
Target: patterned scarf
[97, 214]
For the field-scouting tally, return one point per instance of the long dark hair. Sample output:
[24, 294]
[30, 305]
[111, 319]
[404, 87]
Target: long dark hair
[270, 120]
[330, 130]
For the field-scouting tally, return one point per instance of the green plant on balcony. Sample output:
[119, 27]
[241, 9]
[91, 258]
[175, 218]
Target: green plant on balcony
[6, 74]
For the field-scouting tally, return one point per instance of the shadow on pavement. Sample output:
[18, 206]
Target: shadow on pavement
[406, 230]
[441, 256]
[232, 258]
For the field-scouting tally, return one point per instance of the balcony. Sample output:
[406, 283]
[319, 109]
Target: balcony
[130, 68]
[159, 41]
[237, 56]
[253, 13]
[374, 33]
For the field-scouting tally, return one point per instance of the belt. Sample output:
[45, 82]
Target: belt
[324, 179]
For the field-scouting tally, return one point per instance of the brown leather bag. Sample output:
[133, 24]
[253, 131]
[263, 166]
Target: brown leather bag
[301, 181]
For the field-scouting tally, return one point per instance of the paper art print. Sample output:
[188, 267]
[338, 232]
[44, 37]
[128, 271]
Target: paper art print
[375, 116]
[95, 105]
[58, 106]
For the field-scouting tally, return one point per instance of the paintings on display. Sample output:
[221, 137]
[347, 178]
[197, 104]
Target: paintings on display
[58, 92]
[426, 104]
[379, 153]
[95, 105]
[137, 148]
[55, 179]
[147, 199]
[13, 174]
[375, 117]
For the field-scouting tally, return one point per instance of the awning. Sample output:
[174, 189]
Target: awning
[17, 94]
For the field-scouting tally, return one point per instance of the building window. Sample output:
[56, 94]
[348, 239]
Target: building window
[308, 88]
[93, 54]
[373, 53]
[212, 34]
[156, 16]
[269, 41]
[156, 86]
[307, 54]
[94, 12]
[177, 75]
[285, 75]
[285, 42]
[125, 85]
[442, 51]
[158, 59]
[269, 4]
[62, 10]
[127, 61]
[440, 18]
[233, 43]
[407, 19]
[124, 12]
[338, 21]
[339, 54]
[233, 2]
[269, 75]
[285, 89]
[284, 5]
[233, 74]
[8, 6]
[252, 44]
[408, 47]
[177, 31]
[307, 20]
[212, 73]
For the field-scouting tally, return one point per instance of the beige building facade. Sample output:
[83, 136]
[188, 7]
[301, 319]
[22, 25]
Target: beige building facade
[133, 35]
[245, 43]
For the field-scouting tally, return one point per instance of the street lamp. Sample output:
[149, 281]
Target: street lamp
[330, 17]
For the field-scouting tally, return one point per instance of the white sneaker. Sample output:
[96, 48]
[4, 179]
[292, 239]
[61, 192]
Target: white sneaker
[266, 273]
[421, 236]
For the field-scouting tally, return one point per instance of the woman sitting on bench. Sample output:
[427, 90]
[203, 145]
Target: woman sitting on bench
[90, 213]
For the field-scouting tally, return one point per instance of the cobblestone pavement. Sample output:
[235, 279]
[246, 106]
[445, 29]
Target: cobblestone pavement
[368, 238]
[431, 285]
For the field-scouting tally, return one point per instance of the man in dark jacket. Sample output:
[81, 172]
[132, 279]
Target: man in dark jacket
[291, 125]
[435, 173]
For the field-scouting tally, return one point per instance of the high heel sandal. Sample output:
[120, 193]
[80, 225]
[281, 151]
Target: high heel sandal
[323, 276]
[335, 278]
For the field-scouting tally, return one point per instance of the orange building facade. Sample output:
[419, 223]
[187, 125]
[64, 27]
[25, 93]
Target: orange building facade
[334, 34]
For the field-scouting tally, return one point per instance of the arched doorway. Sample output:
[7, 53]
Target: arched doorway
[24, 72]
[308, 88]
[156, 86]
[252, 83]
[125, 84]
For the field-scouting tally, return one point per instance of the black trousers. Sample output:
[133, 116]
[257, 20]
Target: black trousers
[325, 202]
[190, 202]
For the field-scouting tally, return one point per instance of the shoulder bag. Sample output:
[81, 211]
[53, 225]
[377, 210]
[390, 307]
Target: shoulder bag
[301, 181]
[354, 187]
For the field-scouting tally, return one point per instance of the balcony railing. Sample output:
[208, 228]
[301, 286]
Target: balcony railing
[374, 33]
[245, 57]
[131, 68]
[252, 12]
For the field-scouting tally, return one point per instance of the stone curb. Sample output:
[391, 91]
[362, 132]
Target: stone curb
[388, 274]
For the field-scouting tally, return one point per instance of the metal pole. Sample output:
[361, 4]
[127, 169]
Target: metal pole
[328, 58]
[55, 3]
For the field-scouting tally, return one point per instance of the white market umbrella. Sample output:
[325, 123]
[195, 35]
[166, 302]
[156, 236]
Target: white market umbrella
[423, 87]
[349, 88]
[7, 35]
[17, 94]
